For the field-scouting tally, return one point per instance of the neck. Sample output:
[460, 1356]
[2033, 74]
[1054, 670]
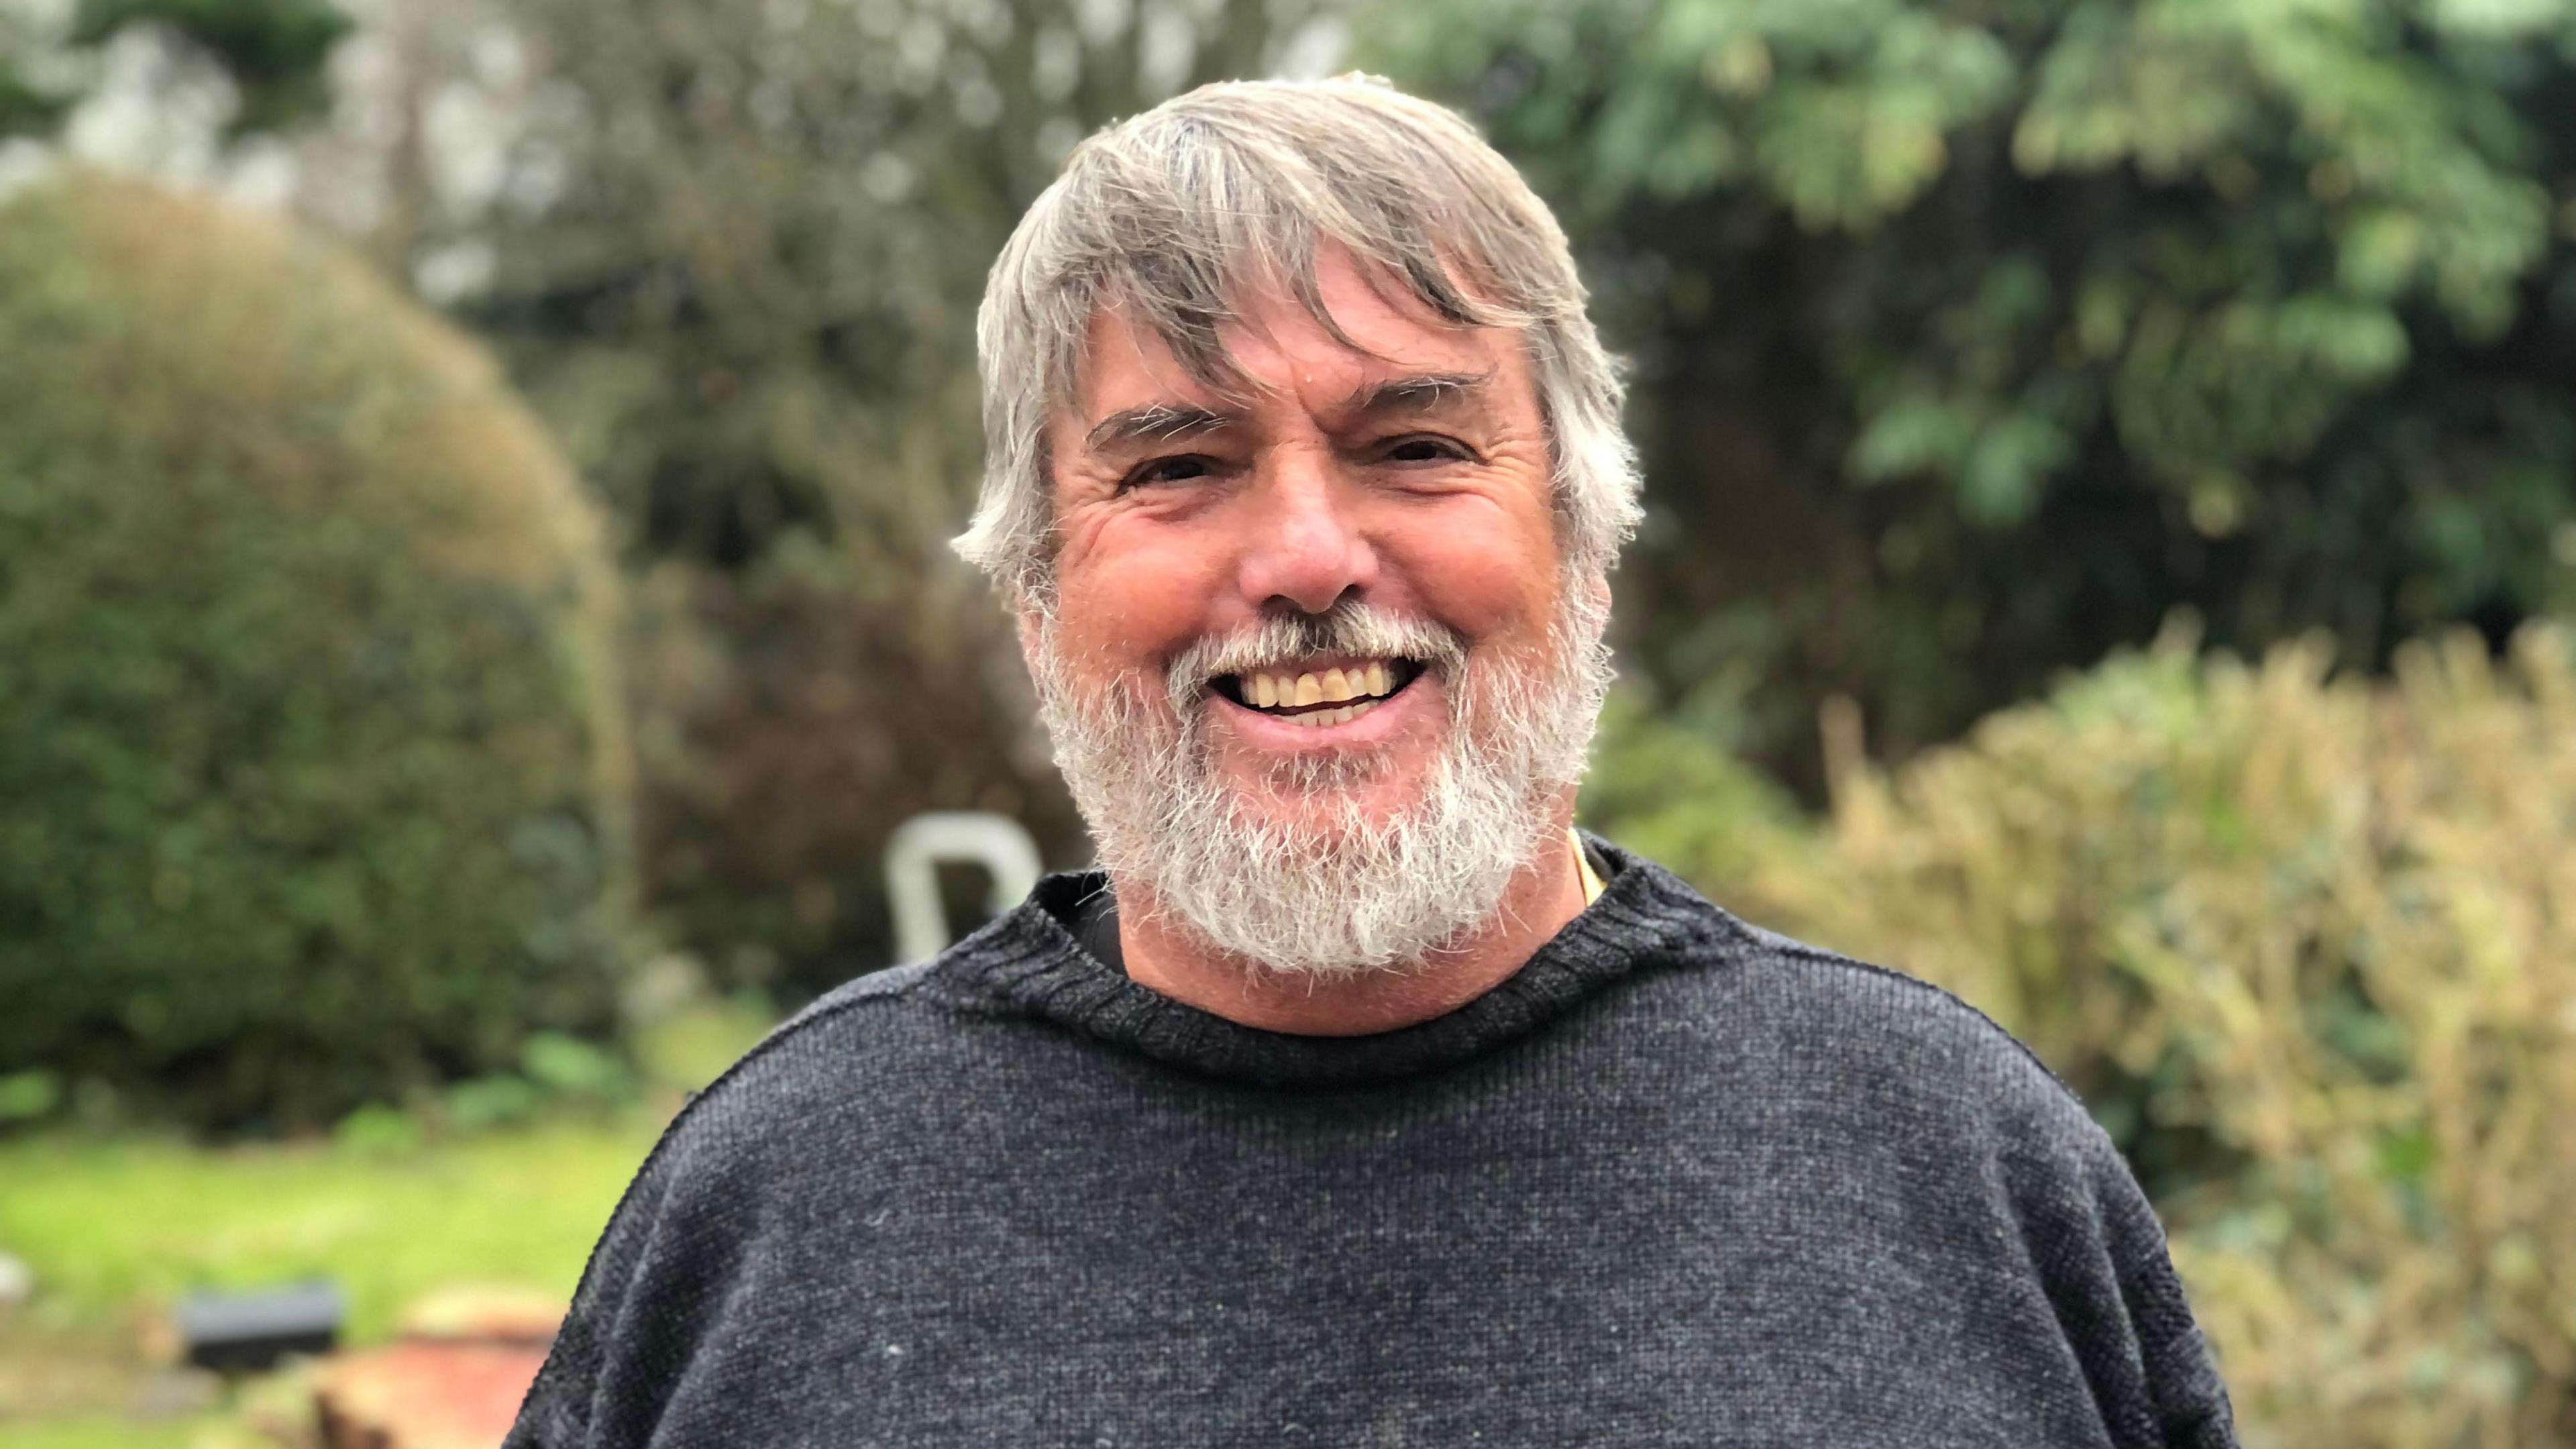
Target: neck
[1166, 957]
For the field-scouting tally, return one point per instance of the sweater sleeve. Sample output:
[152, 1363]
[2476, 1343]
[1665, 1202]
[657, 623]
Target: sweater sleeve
[656, 1282]
[558, 1410]
[2101, 1257]
[667, 1278]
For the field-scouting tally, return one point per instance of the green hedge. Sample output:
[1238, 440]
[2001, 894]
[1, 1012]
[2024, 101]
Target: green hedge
[311, 771]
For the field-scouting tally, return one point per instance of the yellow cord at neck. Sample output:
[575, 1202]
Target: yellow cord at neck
[1592, 884]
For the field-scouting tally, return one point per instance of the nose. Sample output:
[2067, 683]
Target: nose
[1306, 548]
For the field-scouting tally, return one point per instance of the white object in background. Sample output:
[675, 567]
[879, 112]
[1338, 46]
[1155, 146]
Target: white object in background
[913, 853]
[17, 1282]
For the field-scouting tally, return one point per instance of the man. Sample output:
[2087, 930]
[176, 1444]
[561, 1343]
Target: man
[1358, 1100]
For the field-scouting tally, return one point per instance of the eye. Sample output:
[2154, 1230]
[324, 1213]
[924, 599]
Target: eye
[1424, 450]
[1180, 469]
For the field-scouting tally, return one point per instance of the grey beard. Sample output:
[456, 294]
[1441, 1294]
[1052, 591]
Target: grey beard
[1333, 893]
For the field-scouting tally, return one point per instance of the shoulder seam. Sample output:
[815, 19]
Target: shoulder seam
[1793, 948]
[875, 987]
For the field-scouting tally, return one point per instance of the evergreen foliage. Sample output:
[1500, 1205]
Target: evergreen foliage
[275, 51]
[311, 770]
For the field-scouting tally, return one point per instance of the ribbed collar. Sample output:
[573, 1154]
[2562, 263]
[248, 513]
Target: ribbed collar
[1027, 964]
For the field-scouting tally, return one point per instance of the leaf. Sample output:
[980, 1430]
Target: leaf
[2007, 468]
[1913, 436]
[2362, 341]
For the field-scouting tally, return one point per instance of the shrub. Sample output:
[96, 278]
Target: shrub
[2308, 944]
[311, 774]
[1667, 782]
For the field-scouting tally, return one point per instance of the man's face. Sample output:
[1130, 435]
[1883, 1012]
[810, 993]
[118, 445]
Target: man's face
[1370, 524]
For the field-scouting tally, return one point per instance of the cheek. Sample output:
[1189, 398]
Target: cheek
[1142, 599]
[1486, 571]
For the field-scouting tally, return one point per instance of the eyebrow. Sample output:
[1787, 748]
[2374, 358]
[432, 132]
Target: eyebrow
[1155, 422]
[1419, 392]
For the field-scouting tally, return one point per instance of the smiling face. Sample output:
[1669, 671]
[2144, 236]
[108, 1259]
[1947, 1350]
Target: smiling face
[1311, 664]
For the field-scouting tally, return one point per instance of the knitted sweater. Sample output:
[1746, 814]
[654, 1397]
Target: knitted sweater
[1677, 1181]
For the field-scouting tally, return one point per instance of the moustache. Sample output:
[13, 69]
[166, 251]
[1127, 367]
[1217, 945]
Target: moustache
[1349, 628]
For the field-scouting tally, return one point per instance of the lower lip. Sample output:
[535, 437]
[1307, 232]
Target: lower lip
[1392, 716]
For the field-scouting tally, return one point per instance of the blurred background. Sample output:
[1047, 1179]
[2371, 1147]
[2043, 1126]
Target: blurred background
[474, 482]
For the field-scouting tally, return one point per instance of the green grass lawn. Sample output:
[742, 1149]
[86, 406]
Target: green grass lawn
[112, 1227]
[117, 1228]
[108, 1431]
[120, 1225]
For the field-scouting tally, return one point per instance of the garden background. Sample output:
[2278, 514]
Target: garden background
[474, 482]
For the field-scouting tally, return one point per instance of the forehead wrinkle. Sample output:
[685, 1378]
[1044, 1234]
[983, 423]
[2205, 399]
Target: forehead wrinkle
[1247, 292]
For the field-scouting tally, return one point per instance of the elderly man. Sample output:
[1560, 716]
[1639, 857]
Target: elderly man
[1357, 1100]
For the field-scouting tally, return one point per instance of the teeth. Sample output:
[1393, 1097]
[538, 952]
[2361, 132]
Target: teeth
[1365, 683]
[1318, 719]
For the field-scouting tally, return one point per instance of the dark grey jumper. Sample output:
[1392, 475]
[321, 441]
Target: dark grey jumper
[1678, 1181]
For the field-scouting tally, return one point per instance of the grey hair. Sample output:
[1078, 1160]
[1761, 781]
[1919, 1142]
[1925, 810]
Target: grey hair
[1173, 215]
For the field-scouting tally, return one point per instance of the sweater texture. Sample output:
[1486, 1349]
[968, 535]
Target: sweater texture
[1677, 1181]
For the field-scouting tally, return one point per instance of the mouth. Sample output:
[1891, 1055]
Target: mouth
[1319, 692]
